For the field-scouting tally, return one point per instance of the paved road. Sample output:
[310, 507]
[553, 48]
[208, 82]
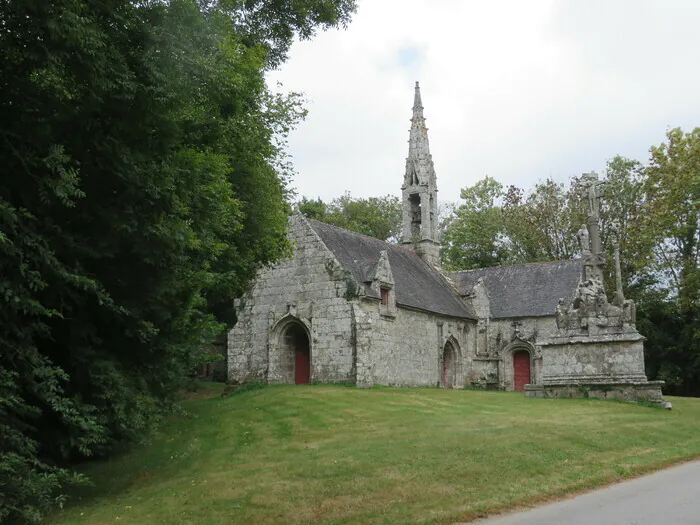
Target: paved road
[669, 497]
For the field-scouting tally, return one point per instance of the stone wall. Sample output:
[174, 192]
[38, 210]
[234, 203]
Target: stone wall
[354, 338]
[498, 339]
[503, 337]
[406, 349]
[603, 359]
[647, 391]
[605, 366]
[309, 288]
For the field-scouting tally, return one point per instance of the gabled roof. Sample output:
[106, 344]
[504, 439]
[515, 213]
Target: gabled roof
[524, 290]
[416, 284]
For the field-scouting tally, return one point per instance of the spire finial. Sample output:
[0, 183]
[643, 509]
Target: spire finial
[417, 103]
[418, 139]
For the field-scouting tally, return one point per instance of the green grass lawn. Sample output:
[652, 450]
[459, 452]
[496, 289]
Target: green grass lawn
[333, 454]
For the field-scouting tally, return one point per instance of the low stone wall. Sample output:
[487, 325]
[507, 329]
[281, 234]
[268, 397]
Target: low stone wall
[649, 391]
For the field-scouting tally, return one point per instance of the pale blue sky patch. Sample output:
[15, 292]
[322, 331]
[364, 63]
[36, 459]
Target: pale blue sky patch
[409, 55]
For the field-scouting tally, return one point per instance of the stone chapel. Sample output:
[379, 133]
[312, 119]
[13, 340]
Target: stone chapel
[350, 308]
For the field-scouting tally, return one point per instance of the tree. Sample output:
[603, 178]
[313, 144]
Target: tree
[274, 25]
[144, 183]
[379, 217]
[313, 209]
[670, 214]
[669, 224]
[474, 236]
[620, 209]
[541, 226]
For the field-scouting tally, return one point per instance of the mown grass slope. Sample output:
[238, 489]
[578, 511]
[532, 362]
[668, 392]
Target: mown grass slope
[339, 455]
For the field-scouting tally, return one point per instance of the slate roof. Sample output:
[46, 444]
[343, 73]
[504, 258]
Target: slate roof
[524, 290]
[416, 284]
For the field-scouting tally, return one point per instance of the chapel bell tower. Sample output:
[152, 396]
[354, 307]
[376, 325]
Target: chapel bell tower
[419, 191]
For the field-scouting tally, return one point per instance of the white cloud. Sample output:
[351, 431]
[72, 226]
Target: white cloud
[517, 90]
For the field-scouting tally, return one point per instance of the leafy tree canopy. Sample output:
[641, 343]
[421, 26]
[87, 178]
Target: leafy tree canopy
[514, 225]
[473, 235]
[668, 230]
[274, 24]
[379, 217]
[144, 182]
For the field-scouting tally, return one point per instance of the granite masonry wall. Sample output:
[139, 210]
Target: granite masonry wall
[507, 336]
[406, 349]
[498, 339]
[308, 289]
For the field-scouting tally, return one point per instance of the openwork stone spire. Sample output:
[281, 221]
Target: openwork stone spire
[420, 189]
[418, 140]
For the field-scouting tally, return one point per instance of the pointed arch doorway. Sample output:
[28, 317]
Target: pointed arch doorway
[449, 365]
[297, 353]
[521, 370]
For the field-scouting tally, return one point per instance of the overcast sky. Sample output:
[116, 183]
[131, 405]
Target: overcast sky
[518, 90]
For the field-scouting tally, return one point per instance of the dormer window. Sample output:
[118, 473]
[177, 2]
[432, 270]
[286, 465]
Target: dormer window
[383, 286]
[384, 295]
[387, 302]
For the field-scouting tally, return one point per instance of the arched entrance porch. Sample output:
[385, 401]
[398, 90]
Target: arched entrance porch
[449, 365]
[296, 353]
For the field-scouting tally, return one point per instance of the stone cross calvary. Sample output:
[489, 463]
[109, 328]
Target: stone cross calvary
[591, 185]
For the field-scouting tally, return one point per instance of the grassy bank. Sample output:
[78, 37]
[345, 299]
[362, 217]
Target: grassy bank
[332, 455]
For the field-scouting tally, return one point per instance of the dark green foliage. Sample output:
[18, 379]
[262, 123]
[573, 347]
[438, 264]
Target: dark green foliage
[378, 217]
[669, 225]
[666, 355]
[473, 235]
[313, 209]
[220, 372]
[504, 226]
[352, 291]
[143, 184]
[273, 24]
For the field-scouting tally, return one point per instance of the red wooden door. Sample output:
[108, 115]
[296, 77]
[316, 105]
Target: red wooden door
[301, 366]
[521, 370]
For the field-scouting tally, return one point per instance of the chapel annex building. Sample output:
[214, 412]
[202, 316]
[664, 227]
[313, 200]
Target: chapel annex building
[350, 308]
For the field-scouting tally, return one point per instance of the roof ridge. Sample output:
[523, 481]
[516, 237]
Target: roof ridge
[517, 265]
[349, 231]
[417, 283]
[386, 243]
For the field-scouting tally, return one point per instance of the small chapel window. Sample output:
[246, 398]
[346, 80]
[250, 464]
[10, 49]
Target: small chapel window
[385, 295]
